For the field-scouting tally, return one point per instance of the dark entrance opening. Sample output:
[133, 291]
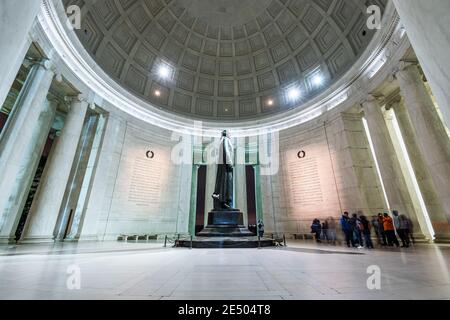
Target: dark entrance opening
[201, 190]
[3, 119]
[251, 198]
[35, 185]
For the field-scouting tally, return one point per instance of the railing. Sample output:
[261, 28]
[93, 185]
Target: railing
[137, 237]
[280, 239]
[175, 240]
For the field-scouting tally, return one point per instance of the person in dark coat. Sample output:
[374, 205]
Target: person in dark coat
[347, 230]
[325, 231]
[260, 228]
[316, 228]
[403, 230]
[355, 224]
[365, 225]
[376, 227]
[411, 230]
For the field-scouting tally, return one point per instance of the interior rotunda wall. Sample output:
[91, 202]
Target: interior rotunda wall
[133, 194]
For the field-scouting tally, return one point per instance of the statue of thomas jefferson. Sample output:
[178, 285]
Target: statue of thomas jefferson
[224, 220]
[223, 191]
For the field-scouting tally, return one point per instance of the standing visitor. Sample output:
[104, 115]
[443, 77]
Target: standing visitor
[396, 219]
[347, 230]
[316, 228]
[355, 223]
[325, 231]
[411, 231]
[376, 226]
[260, 228]
[389, 229]
[403, 231]
[366, 232]
[331, 223]
[381, 230]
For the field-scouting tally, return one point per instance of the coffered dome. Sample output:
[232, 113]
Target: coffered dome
[225, 59]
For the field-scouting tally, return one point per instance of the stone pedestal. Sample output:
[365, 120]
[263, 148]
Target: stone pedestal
[226, 218]
[225, 223]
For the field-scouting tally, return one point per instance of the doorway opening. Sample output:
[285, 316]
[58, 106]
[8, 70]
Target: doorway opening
[35, 185]
[201, 198]
[251, 198]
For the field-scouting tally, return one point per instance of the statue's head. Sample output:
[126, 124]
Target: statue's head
[224, 133]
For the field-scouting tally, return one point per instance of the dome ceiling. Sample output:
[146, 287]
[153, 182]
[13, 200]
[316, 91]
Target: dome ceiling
[225, 59]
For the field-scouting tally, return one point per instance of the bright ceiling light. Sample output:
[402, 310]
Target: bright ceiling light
[157, 93]
[294, 94]
[317, 80]
[270, 102]
[164, 71]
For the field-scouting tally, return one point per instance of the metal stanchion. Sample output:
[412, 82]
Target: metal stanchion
[165, 241]
[191, 242]
[284, 240]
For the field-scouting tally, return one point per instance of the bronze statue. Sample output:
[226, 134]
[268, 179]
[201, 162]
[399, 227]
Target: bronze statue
[224, 220]
[223, 191]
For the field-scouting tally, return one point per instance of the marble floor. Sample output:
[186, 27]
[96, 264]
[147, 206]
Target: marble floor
[303, 270]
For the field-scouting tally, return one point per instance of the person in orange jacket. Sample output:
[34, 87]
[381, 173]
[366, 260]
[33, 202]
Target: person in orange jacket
[389, 229]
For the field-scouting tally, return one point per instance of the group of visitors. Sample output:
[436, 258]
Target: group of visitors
[325, 231]
[357, 230]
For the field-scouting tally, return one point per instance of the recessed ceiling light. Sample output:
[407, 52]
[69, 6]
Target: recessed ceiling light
[164, 71]
[294, 94]
[270, 102]
[157, 93]
[317, 80]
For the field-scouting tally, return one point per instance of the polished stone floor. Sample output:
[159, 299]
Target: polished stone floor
[303, 270]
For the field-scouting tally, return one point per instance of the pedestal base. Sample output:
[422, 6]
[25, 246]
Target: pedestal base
[224, 242]
[442, 238]
[225, 223]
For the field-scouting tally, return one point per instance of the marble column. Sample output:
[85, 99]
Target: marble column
[432, 141]
[16, 20]
[46, 206]
[424, 181]
[77, 189]
[391, 173]
[21, 145]
[103, 186]
[351, 159]
[427, 25]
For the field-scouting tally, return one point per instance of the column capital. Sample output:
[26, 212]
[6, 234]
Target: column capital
[371, 97]
[393, 103]
[403, 65]
[54, 101]
[81, 97]
[44, 63]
